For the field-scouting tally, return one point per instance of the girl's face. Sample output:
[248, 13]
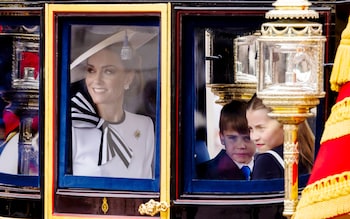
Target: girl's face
[267, 133]
[106, 78]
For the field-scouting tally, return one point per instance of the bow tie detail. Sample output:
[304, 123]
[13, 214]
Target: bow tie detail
[84, 115]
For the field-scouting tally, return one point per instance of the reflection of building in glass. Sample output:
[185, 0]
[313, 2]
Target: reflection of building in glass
[290, 64]
[20, 149]
[245, 54]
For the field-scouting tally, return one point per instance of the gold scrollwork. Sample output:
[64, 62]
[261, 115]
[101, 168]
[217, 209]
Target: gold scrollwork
[104, 205]
[153, 207]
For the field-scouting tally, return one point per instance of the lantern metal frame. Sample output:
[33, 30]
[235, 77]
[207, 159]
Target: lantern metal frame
[290, 100]
[245, 80]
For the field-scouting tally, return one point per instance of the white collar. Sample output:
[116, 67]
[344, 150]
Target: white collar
[250, 164]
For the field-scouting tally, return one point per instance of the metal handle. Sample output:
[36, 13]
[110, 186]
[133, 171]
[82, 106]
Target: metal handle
[153, 207]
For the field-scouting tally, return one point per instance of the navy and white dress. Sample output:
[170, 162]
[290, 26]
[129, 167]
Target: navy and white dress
[269, 165]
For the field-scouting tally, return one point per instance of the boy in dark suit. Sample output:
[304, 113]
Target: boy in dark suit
[235, 162]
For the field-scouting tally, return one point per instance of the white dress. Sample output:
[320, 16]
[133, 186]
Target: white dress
[137, 132]
[9, 156]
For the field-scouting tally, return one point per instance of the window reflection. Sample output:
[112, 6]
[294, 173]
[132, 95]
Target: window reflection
[20, 69]
[242, 49]
[113, 100]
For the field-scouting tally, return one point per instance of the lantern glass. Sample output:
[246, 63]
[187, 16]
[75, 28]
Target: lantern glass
[290, 66]
[245, 54]
[26, 63]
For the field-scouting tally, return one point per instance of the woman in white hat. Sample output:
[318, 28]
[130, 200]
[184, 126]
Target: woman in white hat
[107, 140]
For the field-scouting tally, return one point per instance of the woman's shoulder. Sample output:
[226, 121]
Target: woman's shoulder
[138, 118]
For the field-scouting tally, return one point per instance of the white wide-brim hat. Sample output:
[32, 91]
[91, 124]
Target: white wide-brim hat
[90, 39]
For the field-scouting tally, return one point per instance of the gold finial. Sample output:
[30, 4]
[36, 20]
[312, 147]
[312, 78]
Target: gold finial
[291, 9]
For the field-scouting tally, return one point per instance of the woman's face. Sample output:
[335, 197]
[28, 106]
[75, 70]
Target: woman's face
[106, 78]
[267, 133]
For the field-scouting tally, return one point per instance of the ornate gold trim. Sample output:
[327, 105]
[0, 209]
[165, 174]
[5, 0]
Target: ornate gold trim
[104, 205]
[296, 9]
[325, 198]
[299, 29]
[228, 92]
[153, 207]
[338, 123]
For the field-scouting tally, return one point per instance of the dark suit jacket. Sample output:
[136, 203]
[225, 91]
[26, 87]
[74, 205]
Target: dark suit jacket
[220, 167]
[267, 167]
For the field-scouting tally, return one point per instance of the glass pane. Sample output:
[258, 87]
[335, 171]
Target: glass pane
[112, 119]
[290, 65]
[20, 93]
[218, 61]
[114, 79]
[19, 90]
[105, 91]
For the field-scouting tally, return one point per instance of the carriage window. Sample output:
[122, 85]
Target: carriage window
[109, 102]
[19, 103]
[104, 95]
[113, 100]
[218, 65]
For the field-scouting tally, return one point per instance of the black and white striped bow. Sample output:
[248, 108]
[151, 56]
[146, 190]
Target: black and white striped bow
[84, 115]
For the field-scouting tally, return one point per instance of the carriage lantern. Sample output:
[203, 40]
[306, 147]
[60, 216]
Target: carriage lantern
[290, 71]
[24, 98]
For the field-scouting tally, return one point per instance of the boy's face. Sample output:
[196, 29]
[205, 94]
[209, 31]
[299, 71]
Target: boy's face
[239, 147]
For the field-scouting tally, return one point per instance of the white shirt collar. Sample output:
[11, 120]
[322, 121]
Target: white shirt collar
[250, 164]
